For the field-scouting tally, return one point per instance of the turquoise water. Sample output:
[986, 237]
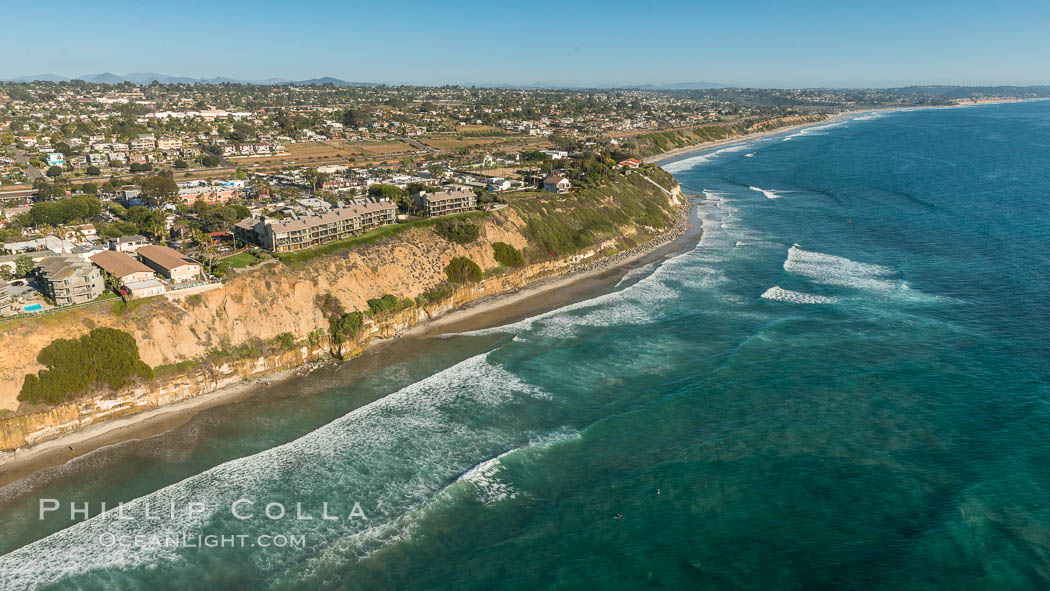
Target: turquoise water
[32, 308]
[843, 385]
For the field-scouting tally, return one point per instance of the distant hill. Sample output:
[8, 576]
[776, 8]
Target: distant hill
[149, 77]
[682, 86]
[40, 77]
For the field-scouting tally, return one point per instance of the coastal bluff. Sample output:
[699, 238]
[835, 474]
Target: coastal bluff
[262, 304]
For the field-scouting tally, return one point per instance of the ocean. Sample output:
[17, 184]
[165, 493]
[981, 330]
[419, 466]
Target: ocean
[843, 385]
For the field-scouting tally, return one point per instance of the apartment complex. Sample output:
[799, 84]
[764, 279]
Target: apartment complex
[299, 233]
[70, 280]
[456, 200]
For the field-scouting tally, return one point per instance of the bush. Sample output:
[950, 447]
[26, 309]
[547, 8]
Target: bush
[434, 294]
[93, 171]
[457, 230]
[507, 255]
[463, 270]
[346, 326]
[180, 164]
[103, 358]
[286, 341]
[384, 304]
[141, 167]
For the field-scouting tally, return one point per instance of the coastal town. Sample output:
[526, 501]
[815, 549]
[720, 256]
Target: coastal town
[128, 191]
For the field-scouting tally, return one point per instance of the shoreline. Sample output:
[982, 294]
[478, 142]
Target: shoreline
[489, 311]
[664, 157]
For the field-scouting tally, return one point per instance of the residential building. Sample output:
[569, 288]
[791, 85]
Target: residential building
[70, 280]
[170, 263]
[127, 243]
[298, 233]
[56, 159]
[208, 194]
[556, 183]
[122, 266]
[5, 298]
[144, 289]
[456, 200]
[144, 143]
[630, 163]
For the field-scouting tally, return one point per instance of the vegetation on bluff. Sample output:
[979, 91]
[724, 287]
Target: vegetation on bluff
[555, 228]
[463, 270]
[103, 358]
[460, 231]
[507, 255]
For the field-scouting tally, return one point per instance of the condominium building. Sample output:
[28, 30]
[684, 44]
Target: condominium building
[455, 200]
[5, 298]
[313, 230]
[70, 280]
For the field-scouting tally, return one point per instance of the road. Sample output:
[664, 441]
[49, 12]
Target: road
[31, 171]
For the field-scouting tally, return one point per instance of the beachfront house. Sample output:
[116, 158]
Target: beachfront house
[170, 263]
[123, 267]
[556, 183]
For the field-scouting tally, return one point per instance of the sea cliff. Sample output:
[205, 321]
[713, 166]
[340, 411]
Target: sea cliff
[208, 341]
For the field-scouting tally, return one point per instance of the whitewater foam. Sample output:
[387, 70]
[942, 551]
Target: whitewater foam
[780, 294]
[770, 194]
[829, 269]
[368, 454]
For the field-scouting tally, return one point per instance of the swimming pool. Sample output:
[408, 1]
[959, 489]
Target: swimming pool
[32, 308]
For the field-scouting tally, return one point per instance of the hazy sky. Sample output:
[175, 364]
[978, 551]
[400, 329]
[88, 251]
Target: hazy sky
[742, 43]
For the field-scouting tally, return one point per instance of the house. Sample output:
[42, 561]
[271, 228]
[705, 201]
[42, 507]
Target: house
[556, 183]
[127, 243]
[56, 159]
[122, 266]
[498, 184]
[457, 200]
[170, 263]
[70, 280]
[312, 230]
[80, 232]
[144, 289]
[630, 163]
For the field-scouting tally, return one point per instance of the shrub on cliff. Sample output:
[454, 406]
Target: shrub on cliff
[463, 270]
[103, 358]
[346, 326]
[387, 303]
[507, 255]
[457, 230]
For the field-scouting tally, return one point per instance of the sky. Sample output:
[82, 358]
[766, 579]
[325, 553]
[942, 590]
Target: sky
[757, 43]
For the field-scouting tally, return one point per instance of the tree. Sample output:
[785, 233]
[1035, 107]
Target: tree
[159, 190]
[204, 248]
[382, 191]
[89, 188]
[180, 164]
[93, 171]
[54, 172]
[23, 265]
[356, 118]
[210, 161]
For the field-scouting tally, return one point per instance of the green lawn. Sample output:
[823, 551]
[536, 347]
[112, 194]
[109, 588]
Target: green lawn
[241, 259]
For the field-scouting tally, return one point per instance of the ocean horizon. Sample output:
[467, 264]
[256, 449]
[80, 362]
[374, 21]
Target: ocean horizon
[842, 384]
